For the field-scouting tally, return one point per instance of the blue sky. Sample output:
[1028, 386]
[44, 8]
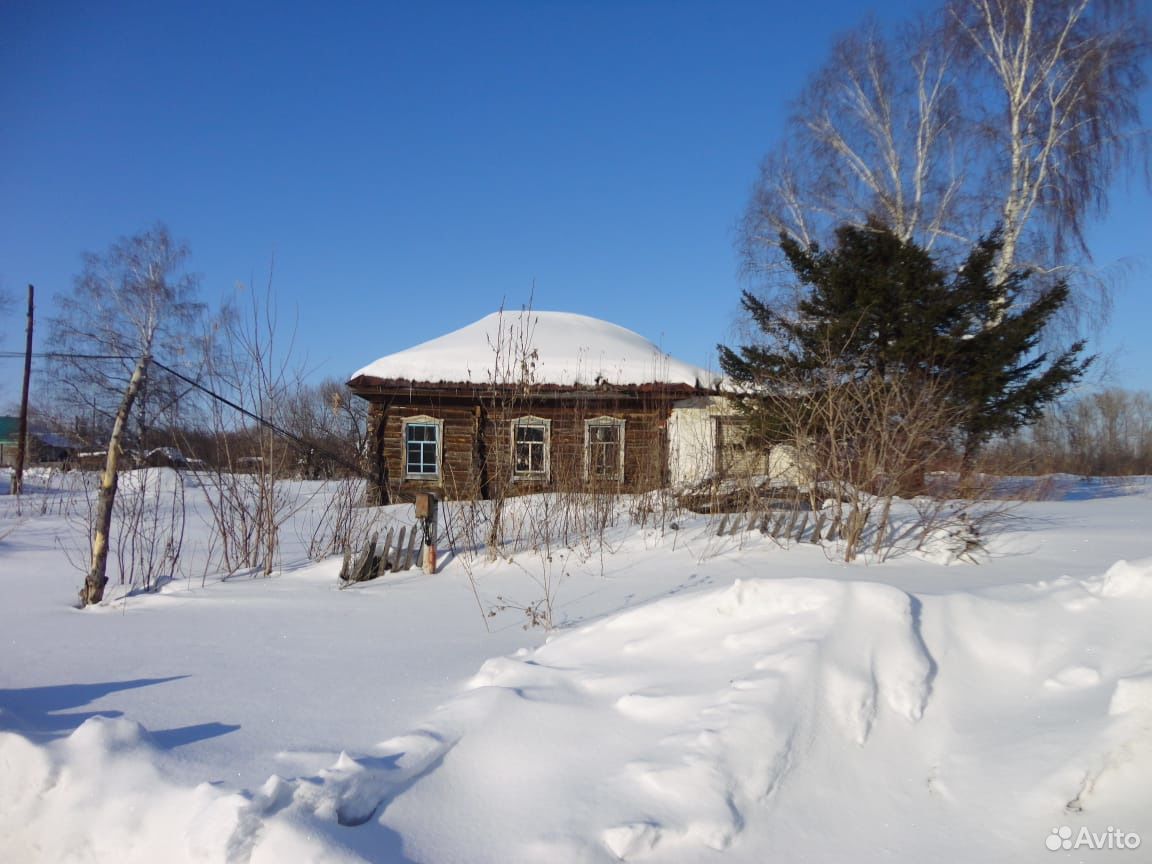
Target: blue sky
[410, 166]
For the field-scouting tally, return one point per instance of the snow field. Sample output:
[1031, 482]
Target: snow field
[749, 704]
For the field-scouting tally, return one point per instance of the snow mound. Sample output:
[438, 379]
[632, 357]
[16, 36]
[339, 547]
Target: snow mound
[99, 796]
[1127, 579]
[671, 723]
[556, 348]
[795, 719]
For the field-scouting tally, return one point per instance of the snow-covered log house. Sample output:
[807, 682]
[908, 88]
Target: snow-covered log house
[526, 402]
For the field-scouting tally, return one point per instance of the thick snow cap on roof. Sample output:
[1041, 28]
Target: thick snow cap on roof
[559, 348]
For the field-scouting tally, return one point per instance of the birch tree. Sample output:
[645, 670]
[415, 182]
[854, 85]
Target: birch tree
[129, 305]
[1061, 115]
[1017, 113]
[871, 136]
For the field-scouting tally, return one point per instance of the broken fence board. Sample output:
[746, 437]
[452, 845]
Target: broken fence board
[792, 522]
[363, 568]
[778, 526]
[818, 528]
[398, 560]
[765, 525]
[410, 557]
[800, 530]
[834, 529]
[386, 554]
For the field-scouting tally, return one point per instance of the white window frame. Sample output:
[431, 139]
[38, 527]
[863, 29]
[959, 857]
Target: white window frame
[422, 420]
[531, 421]
[600, 422]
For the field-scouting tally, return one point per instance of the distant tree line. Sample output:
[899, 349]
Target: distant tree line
[1098, 434]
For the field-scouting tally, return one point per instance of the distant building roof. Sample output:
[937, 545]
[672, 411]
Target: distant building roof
[53, 439]
[10, 431]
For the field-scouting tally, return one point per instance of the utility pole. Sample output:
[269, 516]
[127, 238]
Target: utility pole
[22, 443]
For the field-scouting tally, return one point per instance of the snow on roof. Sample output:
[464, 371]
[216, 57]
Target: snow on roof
[559, 348]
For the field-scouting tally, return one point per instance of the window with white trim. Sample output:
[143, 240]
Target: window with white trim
[422, 437]
[530, 445]
[604, 448]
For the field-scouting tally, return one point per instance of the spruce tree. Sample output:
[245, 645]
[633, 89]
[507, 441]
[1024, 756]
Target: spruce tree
[879, 307]
[997, 374]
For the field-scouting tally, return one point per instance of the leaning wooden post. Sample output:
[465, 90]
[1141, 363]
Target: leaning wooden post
[427, 512]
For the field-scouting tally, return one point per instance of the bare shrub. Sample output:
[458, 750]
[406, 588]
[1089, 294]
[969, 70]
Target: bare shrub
[147, 540]
[252, 367]
[343, 522]
[860, 442]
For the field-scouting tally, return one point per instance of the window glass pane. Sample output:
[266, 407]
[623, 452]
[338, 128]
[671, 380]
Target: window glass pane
[604, 449]
[420, 448]
[529, 447]
[604, 434]
[529, 442]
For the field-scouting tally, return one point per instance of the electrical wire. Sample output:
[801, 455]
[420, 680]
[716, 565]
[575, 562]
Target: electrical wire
[284, 433]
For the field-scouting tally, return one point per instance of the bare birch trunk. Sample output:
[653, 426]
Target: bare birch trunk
[93, 590]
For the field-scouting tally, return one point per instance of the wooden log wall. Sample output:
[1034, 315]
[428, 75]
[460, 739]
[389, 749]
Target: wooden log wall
[644, 442]
[476, 457]
[459, 468]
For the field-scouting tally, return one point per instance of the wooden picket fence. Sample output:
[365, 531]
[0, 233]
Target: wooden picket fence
[376, 559]
[793, 524]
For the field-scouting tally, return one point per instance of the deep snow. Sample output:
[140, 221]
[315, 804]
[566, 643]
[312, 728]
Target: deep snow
[704, 699]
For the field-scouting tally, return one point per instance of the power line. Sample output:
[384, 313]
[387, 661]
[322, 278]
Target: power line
[291, 436]
[339, 460]
[59, 355]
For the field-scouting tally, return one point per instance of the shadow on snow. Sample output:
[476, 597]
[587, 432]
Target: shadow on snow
[43, 713]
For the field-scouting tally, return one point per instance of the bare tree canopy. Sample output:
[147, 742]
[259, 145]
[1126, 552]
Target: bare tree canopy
[1063, 80]
[136, 299]
[1017, 113]
[867, 137]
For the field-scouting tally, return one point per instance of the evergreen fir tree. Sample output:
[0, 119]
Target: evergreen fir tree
[997, 374]
[876, 306]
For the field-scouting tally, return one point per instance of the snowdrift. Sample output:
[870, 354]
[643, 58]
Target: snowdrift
[796, 719]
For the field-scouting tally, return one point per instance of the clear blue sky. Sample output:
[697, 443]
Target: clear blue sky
[408, 166]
